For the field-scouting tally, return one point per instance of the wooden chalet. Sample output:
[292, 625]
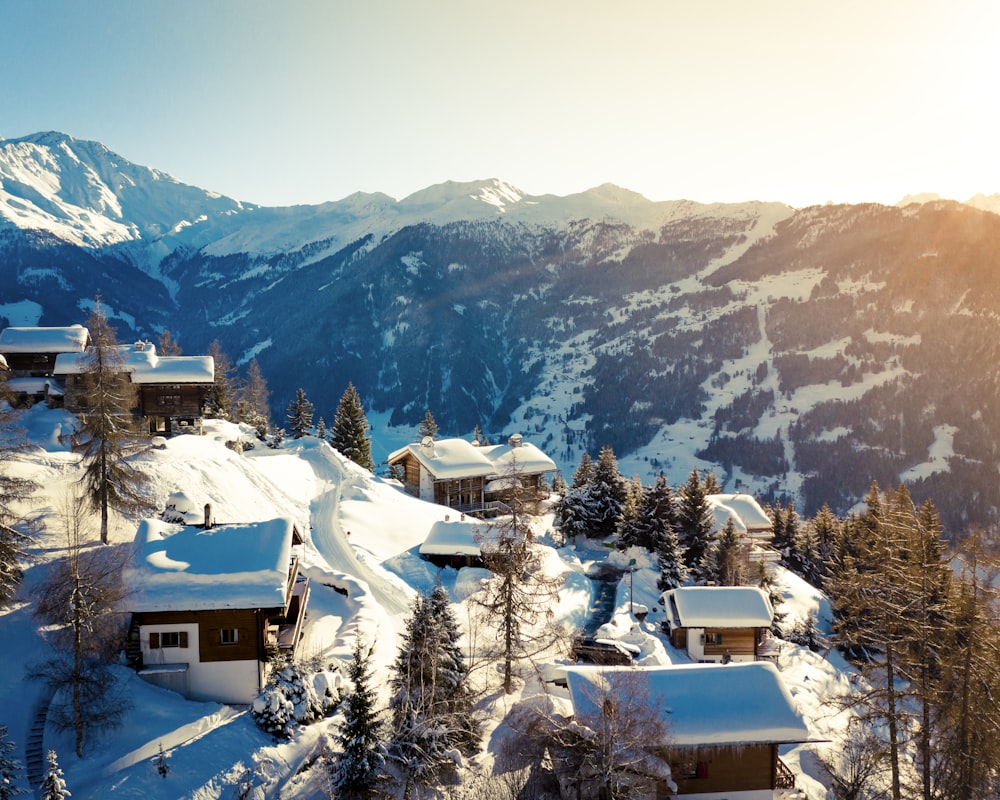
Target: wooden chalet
[171, 390]
[752, 524]
[472, 478]
[213, 606]
[719, 623]
[724, 725]
[30, 354]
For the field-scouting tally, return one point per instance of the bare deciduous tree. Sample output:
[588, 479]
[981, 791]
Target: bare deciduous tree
[81, 599]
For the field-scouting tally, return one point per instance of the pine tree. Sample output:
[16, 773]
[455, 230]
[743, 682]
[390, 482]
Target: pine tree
[300, 414]
[350, 429]
[655, 519]
[427, 427]
[605, 495]
[54, 785]
[695, 522]
[222, 397]
[432, 709]
[628, 521]
[321, 431]
[9, 768]
[357, 769]
[107, 434]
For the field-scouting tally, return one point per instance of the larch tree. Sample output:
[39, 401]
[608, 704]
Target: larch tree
[224, 392]
[81, 599]
[518, 599]
[356, 770]
[968, 715]
[166, 344]
[616, 741]
[428, 426]
[724, 562]
[300, 414]
[349, 436]
[252, 404]
[108, 438]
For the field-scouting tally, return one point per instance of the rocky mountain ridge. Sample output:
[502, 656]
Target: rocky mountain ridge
[800, 353]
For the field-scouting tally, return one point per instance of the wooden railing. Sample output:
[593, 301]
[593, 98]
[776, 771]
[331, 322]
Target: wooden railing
[784, 778]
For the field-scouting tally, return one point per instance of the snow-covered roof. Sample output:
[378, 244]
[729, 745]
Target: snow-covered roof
[452, 538]
[718, 607]
[184, 568]
[449, 459]
[704, 704]
[525, 456]
[146, 366]
[70, 339]
[743, 509]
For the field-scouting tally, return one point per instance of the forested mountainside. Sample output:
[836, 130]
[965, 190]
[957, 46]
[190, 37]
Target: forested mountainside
[801, 354]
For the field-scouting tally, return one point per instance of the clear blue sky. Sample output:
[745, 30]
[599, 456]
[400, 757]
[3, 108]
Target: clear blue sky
[300, 102]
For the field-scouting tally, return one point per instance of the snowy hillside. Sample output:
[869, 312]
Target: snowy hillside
[800, 354]
[362, 538]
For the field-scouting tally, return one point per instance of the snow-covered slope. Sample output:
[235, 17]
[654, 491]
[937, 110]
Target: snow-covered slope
[361, 554]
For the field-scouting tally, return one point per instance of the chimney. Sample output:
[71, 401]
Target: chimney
[515, 440]
[209, 521]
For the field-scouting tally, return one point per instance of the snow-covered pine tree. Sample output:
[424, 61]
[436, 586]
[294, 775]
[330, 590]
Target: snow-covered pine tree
[54, 785]
[695, 522]
[433, 714]
[658, 515]
[655, 515]
[300, 414]
[356, 770]
[321, 429]
[466, 729]
[606, 495]
[628, 521]
[9, 768]
[350, 436]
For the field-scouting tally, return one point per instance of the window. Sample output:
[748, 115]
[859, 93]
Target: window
[168, 639]
[229, 636]
[712, 638]
[170, 400]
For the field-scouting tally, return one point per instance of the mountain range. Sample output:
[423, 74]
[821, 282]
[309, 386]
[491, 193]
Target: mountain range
[799, 353]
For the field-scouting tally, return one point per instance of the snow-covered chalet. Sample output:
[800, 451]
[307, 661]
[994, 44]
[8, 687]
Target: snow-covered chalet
[724, 724]
[214, 604]
[469, 477]
[719, 623]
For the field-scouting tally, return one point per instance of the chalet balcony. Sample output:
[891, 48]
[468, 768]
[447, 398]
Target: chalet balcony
[784, 778]
[283, 633]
